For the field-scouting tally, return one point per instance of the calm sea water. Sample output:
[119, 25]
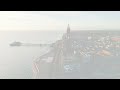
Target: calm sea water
[16, 62]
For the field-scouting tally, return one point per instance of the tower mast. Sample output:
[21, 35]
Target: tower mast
[68, 31]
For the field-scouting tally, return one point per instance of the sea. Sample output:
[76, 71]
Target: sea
[16, 62]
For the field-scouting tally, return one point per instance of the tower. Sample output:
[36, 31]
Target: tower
[68, 31]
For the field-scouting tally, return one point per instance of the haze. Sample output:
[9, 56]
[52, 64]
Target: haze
[58, 20]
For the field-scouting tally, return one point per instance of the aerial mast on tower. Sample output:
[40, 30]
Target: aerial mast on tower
[68, 31]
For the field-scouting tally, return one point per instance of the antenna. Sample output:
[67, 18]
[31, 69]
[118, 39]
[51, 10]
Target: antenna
[68, 29]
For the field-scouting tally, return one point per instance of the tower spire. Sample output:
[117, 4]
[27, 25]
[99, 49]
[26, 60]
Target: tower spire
[68, 29]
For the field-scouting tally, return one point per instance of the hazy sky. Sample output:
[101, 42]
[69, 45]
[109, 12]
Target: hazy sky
[58, 20]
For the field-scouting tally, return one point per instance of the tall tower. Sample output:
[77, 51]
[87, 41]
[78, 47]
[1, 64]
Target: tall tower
[68, 31]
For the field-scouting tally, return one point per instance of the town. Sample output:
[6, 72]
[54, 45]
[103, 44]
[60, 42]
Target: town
[81, 54]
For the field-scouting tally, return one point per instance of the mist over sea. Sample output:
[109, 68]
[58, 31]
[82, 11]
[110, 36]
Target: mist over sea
[16, 62]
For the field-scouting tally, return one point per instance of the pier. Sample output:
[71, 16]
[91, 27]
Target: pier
[29, 44]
